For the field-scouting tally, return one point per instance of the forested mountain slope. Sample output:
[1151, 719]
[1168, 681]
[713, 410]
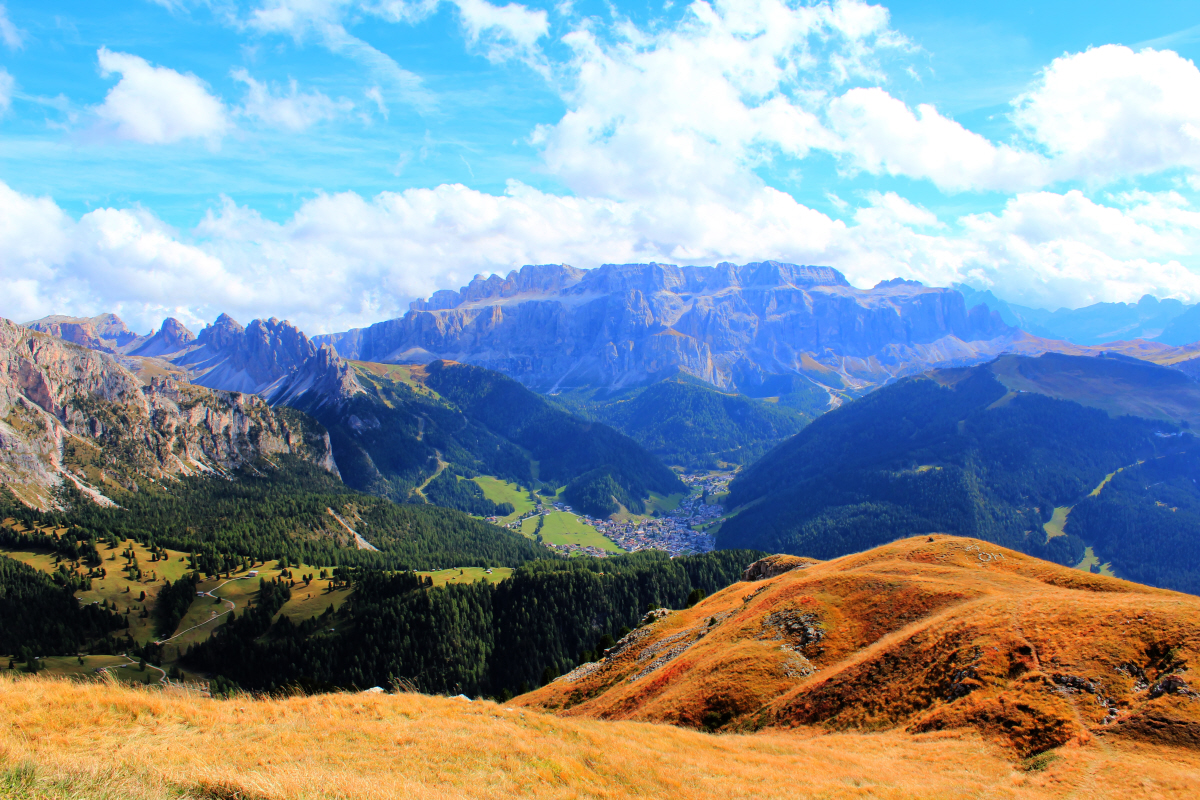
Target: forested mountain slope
[692, 424]
[393, 428]
[959, 451]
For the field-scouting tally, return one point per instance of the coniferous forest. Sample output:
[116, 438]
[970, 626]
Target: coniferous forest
[480, 638]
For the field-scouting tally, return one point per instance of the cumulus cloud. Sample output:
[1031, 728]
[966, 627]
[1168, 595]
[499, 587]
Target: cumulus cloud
[503, 31]
[343, 260]
[695, 108]
[157, 105]
[292, 110]
[881, 134]
[1111, 112]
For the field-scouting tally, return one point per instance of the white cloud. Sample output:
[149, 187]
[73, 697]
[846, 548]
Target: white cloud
[157, 105]
[503, 31]
[1110, 112]
[7, 86]
[343, 260]
[323, 21]
[880, 134]
[695, 108]
[293, 110]
[12, 36]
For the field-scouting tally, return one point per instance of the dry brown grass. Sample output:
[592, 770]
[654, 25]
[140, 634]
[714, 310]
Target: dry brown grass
[88, 741]
[923, 634]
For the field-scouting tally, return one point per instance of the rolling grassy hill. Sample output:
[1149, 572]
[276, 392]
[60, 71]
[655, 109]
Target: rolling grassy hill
[993, 451]
[924, 634]
[946, 668]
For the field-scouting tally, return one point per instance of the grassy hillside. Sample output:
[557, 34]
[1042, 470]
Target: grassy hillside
[924, 634]
[958, 451]
[692, 424]
[115, 743]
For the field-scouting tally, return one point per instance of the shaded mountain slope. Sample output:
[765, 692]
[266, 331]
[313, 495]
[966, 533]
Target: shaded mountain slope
[395, 428]
[923, 634]
[687, 422]
[958, 451]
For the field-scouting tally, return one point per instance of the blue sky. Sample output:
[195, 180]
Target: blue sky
[329, 160]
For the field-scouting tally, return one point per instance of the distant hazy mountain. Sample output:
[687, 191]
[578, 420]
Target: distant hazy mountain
[1168, 321]
[990, 451]
[554, 327]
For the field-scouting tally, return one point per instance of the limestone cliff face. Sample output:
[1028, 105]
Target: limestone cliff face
[72, 414]
[556, 326]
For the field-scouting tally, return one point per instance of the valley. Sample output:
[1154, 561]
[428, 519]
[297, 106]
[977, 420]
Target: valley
[390, 535]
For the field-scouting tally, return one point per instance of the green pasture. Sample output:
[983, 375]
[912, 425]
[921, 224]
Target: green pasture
[499, 491]
[563, 528]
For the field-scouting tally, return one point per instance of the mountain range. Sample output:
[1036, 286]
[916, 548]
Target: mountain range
[555, 328]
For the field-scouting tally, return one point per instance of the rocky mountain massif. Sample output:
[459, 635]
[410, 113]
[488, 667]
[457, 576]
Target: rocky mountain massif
[554, 327]
[225, 355]
[73, 415]
[923, 634]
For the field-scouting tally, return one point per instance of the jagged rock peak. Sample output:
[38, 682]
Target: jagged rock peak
[325, 378]
[170, 338]
[224, 333]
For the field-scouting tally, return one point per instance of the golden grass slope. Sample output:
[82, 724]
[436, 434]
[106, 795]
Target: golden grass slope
[924, 634]
[90, 741]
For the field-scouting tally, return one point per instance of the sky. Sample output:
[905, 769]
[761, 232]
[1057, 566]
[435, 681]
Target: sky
[328, 161]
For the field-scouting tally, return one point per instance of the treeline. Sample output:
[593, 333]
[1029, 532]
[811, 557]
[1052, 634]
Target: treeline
[920, 456]
[279, 511]
[44, 618]
[477, 639]
[588, 457]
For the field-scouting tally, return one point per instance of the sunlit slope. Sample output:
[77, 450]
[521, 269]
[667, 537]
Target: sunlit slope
[61, 740]
[922, 634]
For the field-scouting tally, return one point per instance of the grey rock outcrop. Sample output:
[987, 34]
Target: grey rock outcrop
[325, 378]
[172, 337]
[555, 327]
[72, 414]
